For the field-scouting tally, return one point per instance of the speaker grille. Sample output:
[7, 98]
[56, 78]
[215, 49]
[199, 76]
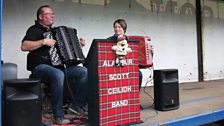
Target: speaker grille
[23, 112]
[22, 102]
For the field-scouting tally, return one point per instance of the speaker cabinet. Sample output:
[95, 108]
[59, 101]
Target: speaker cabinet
[166, 89]
[22, 102]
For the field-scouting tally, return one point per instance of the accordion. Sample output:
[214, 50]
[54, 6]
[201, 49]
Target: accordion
[145, 54]
[67, 50]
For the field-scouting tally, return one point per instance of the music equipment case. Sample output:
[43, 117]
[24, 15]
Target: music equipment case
[101, 98]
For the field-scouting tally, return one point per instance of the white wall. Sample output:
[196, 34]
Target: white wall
[213, 49]
[173, 32]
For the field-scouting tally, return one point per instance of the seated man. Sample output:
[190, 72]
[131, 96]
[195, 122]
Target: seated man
[40, 66]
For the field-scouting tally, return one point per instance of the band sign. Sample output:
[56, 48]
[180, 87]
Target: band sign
[118, 76]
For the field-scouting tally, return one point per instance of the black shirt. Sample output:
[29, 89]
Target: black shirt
[40, 55]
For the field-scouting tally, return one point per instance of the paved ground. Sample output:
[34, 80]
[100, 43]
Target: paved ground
[195, 98]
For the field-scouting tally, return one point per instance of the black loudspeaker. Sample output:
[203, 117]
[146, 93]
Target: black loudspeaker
[166, 89]
[22, 102]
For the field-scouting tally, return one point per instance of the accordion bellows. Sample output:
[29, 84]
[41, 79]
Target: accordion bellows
[67, 50]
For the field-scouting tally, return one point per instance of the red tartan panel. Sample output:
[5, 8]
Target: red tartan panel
[118, 87]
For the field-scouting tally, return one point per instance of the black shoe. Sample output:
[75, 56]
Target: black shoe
[60, 120]
[85, 108]
[78, 110]
[141, 108]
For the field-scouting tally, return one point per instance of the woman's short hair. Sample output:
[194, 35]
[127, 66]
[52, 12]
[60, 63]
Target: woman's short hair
[121, 22]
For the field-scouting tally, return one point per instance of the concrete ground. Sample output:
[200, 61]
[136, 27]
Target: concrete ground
[195, 99]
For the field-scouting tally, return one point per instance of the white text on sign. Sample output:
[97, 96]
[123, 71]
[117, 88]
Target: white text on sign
[109, 63]
[119, 103]
[118, 90]
[118, 76]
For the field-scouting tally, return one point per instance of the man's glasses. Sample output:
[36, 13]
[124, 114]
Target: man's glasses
[48, 14]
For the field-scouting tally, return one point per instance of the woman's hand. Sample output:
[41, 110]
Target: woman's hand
[82, 41]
